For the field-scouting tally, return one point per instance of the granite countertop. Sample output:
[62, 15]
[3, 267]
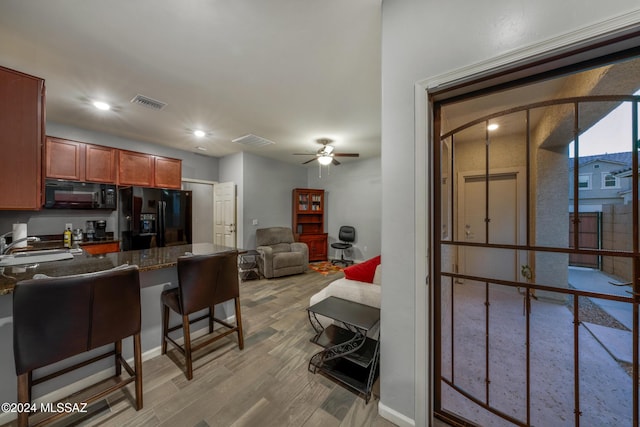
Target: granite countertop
[146, 259]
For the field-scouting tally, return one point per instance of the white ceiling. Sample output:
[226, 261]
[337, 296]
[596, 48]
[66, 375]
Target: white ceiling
[291, 71]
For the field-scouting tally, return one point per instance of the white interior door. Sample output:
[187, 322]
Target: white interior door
[502, 226]
[202, 207]
[224, 200]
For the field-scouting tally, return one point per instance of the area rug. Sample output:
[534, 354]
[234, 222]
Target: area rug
[325, 267]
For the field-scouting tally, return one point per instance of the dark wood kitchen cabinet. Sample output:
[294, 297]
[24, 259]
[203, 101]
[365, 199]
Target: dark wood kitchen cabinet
[168, 173]
[22, 100]
[79, 161]
[147, 170]
[135, 168]
[100, 248]
[100, 164]
[63, 159]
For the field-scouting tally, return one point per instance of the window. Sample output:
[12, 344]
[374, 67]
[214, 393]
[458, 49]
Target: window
[584, 181]
[610, 181]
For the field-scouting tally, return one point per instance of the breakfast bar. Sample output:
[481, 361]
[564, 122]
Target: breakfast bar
[157, 272]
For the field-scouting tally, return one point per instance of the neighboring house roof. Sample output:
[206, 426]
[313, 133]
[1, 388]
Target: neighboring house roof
[623, 159]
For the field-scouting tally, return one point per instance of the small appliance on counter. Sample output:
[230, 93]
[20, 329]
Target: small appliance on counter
[91, 230]
[101, 229]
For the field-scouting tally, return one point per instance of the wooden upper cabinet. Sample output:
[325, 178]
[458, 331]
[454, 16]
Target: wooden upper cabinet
[135, 168]
[78, 161]
[64, 159]
[147, 170]
[21, 140]
[100, 163]
[168, 172]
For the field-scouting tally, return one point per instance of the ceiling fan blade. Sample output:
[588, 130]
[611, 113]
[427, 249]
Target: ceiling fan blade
[347, 154]
[335, 162]
[308, 161]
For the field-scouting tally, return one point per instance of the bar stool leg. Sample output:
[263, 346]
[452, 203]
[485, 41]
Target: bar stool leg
[24, 393]
[239, 324]
[187, 346]
[137, 354]
[118, 356]
[165, 328]
[211, 312]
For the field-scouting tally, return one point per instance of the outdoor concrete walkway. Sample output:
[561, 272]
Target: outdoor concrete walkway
[616, 341]
[500, 380]
[588, 279]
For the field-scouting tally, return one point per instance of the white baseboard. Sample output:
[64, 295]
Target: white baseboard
[69, 389]
[394, 416]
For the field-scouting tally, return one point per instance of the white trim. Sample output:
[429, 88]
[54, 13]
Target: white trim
[588, 35]
[589, 175]
[395, 417]
[199, 181]
[422, 221]
[603, 181]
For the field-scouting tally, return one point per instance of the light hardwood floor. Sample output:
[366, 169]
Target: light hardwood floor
[266, 384]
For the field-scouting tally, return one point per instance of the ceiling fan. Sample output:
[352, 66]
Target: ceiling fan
[326, 155]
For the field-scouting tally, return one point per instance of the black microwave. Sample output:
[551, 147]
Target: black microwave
[79, 195]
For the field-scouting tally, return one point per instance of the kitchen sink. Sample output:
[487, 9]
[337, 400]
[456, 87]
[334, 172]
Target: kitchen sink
[34, 257]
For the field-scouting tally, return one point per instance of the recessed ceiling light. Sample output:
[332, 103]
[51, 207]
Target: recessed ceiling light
[201, 148]
[492, 126]
[199, 133]
[101, 105]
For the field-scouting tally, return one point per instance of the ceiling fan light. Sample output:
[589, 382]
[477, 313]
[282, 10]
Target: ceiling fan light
[325, 160]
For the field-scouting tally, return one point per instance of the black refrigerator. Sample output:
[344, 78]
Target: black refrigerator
[151, 217]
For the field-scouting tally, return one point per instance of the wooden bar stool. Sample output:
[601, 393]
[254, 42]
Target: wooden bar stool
[203, 282]
[55, 318]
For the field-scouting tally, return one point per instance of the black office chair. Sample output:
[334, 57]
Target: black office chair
[347, 236]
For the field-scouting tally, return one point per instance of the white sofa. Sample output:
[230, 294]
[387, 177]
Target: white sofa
[352, 290]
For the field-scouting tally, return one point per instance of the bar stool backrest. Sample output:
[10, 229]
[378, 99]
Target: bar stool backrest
[205, 280]
[59, 317]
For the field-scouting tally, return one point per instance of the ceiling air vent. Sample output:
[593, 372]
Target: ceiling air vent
[251, 140]
[145, 101]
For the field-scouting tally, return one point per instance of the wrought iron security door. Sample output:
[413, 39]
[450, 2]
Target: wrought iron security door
[521, 338]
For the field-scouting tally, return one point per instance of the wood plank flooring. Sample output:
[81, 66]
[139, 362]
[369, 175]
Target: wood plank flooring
[266, 384]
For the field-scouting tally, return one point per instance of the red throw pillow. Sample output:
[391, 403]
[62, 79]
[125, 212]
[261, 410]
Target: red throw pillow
[364, 271]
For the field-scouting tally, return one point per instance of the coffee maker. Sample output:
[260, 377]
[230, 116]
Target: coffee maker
[101, 229]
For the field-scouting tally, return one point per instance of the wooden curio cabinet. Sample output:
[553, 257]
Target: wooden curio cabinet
[308, 221]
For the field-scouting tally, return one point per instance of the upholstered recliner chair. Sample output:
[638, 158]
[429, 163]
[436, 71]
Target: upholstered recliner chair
[279, 254]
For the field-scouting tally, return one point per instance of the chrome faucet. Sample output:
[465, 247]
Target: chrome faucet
[6, 249]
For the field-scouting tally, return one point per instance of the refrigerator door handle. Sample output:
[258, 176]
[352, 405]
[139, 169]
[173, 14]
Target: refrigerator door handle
[162, 222]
